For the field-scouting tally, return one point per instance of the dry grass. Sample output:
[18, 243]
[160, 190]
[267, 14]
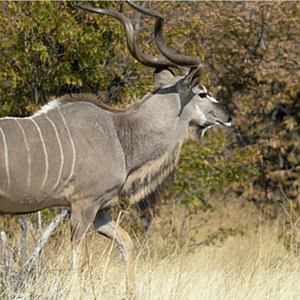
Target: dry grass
[251, 266]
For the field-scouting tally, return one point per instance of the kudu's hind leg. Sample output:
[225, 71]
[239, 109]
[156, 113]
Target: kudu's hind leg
[104, 225]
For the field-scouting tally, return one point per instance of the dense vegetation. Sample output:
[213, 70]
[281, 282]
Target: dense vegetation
[250, 51]
[251, 54]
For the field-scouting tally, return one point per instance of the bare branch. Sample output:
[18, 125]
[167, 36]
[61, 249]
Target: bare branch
[46, 234]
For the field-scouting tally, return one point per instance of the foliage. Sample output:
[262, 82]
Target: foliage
[251, 52]
[50, 48]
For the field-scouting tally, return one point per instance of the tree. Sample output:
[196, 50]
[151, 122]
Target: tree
[250, 51]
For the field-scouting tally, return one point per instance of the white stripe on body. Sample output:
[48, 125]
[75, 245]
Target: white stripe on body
[60, 149]
[5, 157]
[28, 153]
[45, 152]
[72, 143]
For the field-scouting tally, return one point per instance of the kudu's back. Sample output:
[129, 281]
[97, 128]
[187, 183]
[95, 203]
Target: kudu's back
[58, 155]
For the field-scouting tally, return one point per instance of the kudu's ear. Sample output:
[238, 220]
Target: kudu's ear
[190, 86]
[193, 78]
[162, 76]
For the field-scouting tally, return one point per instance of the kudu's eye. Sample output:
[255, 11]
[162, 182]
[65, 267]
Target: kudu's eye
[203, 95]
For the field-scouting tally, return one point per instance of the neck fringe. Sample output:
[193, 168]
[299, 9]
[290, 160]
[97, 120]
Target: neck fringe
[91, 98]
[146, 179]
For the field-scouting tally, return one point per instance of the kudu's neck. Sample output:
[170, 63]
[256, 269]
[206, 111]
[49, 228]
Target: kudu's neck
[150, 130]
[151, 135]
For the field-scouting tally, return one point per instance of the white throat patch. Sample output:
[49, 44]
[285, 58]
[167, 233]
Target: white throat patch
[201, 117]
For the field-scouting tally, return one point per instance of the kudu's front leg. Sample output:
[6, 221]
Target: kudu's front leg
[81, 224]
[104, 225]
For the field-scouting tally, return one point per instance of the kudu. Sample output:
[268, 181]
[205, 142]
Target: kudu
[78, 153]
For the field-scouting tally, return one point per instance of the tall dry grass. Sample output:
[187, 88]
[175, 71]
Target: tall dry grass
[255, 265]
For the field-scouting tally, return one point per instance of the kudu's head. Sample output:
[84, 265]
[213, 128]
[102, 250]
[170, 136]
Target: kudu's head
[197, 107]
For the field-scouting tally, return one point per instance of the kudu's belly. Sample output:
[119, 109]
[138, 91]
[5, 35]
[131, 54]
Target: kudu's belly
[11, 204]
